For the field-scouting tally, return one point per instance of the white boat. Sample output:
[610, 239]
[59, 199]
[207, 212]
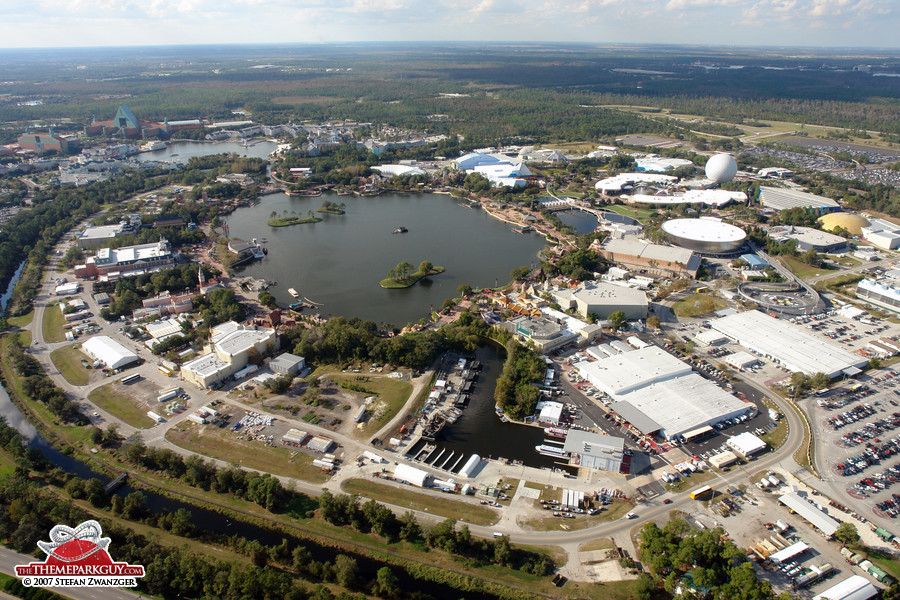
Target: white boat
[548, 450]
[293, 292]
[154, 145]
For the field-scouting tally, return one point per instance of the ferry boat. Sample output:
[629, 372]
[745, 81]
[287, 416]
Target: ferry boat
[556, 432]
[548, 450]
[155, 145]
[401, 229]
[293, 292]
[297, 306]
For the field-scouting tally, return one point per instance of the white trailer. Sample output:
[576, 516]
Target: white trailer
[168, 394]
[156, 418]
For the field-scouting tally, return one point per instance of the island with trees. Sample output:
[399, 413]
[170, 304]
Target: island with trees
[285, 219]
[332, 208]
[403, 276]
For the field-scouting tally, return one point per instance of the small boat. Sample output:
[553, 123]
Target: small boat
[556, 432]
[293, 292]
[401, 230]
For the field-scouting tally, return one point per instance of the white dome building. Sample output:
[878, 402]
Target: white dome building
[709, 236]
[721, 168]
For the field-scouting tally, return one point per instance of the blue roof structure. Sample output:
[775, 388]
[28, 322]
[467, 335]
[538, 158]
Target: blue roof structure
[755, 261]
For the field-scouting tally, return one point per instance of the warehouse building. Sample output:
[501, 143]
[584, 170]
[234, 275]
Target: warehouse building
[108, 351]
[656, 392]
[229, 351]
[740, 360]
[287, 364]
[787, 344]
[674, 407]
[784, 198]
[808, 238]
[654, 259]
[595, 451]
[881, 292]
[723, 459]
[94, 237]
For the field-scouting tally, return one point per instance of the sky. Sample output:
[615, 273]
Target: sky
[822, 23]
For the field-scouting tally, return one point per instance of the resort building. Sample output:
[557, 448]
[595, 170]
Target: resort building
[128, 126]
[46, 142]
[110, 264]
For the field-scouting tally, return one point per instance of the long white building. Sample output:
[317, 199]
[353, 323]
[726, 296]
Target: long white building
[881, 292]
[229, 351]
[108, 351]
[792, 346]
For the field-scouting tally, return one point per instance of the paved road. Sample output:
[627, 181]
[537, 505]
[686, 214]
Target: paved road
[9, 559]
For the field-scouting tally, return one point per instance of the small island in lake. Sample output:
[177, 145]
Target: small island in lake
[402, 276]
[293, 219]
[332, 208]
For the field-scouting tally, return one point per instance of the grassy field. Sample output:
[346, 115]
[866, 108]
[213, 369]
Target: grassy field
[223, 444]
[696, 305]
[120, 406]
[68, 361]
[803, 270]
[616, 510]
[392, 392]
[408, 497]
[598, 544]
[21, 321]
[641, 214]
[287, 221]
[691, 481]
[53, 323]
[776, 437]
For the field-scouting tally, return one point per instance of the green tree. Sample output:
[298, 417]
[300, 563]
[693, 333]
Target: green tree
[425, 266]
[403, 269]
[847, 534]
[386, 583]
[267, 300]
[464, 290]
[819, 381]
[520, 273]
[653, 322]
[346, 570]
[617, 320]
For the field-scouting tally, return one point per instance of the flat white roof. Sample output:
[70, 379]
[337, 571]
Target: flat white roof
[741, 359]
[805, 509]
[746, 443]
[854, 587]
[206, 365]
[784, 198]
[618, 182]
[789, 552]
[163, 328]
[610, 294]
[594, 444]
[710, 197]
[704, 230]
[625, 372]
[239, 341]
[108, 351]
[794, 347]
[684, 403]
[632, 246]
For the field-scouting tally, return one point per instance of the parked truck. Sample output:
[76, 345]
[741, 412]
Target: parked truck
[168, 394]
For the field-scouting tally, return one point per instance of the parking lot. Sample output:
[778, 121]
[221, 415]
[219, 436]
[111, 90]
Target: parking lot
[860, 433]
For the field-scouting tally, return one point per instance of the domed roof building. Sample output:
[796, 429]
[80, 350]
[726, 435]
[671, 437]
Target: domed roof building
[852, 222]
[721, 168]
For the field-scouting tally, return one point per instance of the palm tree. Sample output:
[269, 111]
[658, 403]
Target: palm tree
[273, 214]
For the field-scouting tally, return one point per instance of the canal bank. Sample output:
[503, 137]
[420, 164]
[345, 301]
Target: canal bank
[224, 522]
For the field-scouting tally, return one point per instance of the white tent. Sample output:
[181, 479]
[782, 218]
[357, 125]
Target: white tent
[411, 475]
[108, 351]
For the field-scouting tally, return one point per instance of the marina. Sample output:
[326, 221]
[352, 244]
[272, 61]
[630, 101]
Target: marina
[469, 423]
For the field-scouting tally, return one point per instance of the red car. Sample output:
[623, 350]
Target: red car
[667, 501]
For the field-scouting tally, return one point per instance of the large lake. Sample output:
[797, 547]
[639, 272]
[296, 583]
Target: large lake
[340, 261]
[182, 151]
